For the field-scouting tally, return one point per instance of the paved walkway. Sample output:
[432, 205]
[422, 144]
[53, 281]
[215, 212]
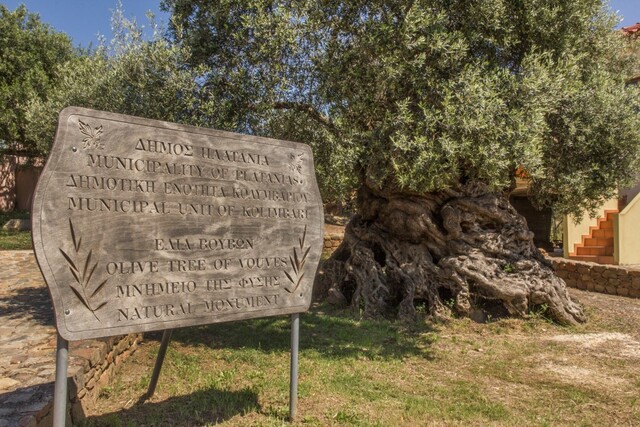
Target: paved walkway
[27, 341]
[28, 346]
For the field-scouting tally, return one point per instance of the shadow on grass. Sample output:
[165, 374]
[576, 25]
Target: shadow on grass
[210, 406]
[329, 332]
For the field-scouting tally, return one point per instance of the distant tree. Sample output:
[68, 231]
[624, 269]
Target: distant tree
[30, 54]
[433, 106]
[128, 75]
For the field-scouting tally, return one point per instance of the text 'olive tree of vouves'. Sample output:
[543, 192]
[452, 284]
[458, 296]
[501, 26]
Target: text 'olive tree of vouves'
[432, 106]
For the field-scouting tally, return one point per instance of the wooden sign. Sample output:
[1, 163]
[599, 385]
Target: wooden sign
[142, 225]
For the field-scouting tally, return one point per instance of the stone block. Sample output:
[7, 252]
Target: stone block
[89, 354]
[623, 292]
[82, 393]
[586, 278]
[584, 269]
[614, 281]
[599, 288]
[122, 345]
[571, 266]
[612, 290]
[8, 384]
[633, 273]
[17, 225]
[634, 293]
[580, 285]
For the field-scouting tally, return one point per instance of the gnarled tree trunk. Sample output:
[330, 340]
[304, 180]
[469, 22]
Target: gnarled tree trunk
[466, 250]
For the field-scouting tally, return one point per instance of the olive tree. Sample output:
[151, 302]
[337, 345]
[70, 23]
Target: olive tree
[433, 106]
[128, 75]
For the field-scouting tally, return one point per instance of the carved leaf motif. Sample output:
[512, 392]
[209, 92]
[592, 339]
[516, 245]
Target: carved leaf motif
[76, 244]
[100, 286]
[80, 297]
[85, 129]
[71, 263]
[297, 263]
[295, 164]
[81, 286]
[291, 279]
[92, 136]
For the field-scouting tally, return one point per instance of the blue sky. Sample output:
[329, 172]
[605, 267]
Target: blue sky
[83, 20]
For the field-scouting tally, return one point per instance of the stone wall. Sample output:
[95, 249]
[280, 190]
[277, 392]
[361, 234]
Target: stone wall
[92, 365]
[332, 241]
[97, 369]
[608, 279]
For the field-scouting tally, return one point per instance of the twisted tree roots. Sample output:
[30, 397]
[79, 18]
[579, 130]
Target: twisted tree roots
[468, 251]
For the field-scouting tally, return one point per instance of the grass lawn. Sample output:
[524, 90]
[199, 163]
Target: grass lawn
[355, 372]
[14, 240]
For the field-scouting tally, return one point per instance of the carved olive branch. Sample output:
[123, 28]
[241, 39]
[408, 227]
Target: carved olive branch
[81, 287]
[296, 162]
[92, 136]
[297, 263]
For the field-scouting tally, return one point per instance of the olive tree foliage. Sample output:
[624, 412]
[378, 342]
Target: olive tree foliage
[432, 107]
[30, 54]
[128, 75]
[423, 96]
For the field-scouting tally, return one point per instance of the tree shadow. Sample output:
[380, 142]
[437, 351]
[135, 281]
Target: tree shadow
[28, 303]
[15, 405]
[210, 406]
[330, 332]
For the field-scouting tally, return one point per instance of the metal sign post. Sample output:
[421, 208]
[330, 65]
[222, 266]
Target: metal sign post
[293, 386]
[60, 397]
[166, 337]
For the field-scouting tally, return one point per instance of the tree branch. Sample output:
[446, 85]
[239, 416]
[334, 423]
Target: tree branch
[310, 111]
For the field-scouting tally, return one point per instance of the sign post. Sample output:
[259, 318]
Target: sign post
[166, 337]
[60, 391]
[293, 382]
[142, 225]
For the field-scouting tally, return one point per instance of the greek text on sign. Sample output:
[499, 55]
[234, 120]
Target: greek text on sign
[142, 225]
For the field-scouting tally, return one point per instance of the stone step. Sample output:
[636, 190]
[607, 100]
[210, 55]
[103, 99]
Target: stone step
[595, 241]
[606, 233]
[594, 250]
[605, 224]
[609, 214]
[600, 259]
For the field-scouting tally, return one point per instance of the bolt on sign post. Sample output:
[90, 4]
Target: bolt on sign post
[142, 225]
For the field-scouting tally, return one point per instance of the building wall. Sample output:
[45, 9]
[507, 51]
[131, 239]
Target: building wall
[26, 181]
[7, 183]
[18, 180]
